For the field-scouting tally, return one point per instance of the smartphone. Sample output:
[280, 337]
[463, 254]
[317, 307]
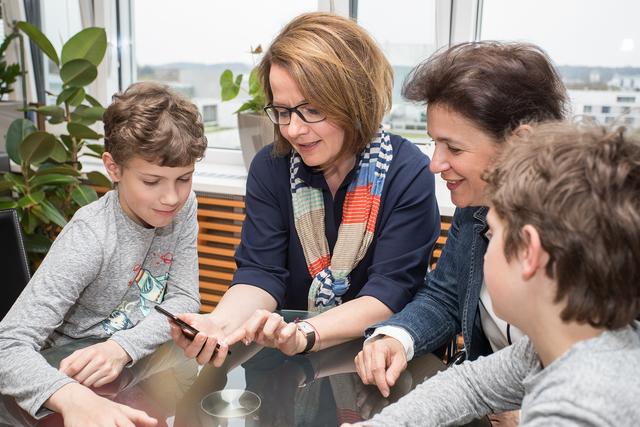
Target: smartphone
[187, 330]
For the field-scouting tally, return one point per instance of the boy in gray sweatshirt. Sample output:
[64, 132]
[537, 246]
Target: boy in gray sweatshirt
[112, 263]
[562, 265]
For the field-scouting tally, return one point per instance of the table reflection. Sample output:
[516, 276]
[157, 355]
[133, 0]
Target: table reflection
[317, 389]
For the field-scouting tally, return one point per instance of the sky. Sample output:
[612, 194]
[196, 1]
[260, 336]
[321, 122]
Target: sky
[573, 32]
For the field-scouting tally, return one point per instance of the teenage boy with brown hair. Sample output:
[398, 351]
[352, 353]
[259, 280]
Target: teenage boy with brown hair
[112, 263]
[562, 265]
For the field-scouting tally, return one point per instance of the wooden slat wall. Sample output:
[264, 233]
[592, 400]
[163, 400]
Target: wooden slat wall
[445, 224]
[220, 220]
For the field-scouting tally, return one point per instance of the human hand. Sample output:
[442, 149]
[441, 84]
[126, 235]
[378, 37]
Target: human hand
[270, 330]
[203, 346]
[96, 365]
[381, 362]
[505, 419]
[81, 407]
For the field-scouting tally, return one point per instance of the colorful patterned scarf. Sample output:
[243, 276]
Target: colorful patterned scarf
[362, 202]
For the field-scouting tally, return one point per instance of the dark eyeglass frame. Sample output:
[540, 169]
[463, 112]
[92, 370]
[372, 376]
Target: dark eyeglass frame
[293, 109]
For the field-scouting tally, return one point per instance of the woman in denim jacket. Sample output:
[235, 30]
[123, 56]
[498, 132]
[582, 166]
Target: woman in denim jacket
[478, 94]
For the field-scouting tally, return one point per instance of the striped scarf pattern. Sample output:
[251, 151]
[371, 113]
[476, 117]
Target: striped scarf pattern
[359, 215]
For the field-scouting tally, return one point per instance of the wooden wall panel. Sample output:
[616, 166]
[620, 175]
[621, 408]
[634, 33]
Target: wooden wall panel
[445, 224]
[220, 221]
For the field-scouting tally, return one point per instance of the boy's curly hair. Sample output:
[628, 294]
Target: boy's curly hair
[151, 121]
[579, 186]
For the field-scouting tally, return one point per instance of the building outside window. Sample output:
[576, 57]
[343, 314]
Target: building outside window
[404, 47]
[187, 45]
[600, 68]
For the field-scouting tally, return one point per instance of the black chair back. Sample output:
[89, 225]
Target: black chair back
[14, 268]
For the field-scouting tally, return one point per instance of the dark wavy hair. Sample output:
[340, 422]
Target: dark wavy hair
[497, 86]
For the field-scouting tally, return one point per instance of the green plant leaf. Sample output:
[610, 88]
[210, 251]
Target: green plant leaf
[63, 169]
[83, 195]
[17, 181]
[91, 113]
[59, 153]
[52, 179]
[40, 40]
[97, 148]
[81, 131]
[89, 44]
[53, 213]
[7, 203]
[76, 115]
[31, 199]
[18, 130]
[5, 185]
[73, 95]
[229, 87]
[29, 222]
[37, 243]
[55, 113]
[78, 72]
[98, 179]
[94, 102]
[37, 147]
[66, 140]
[254, 83]
[254, 105]
[39, 214]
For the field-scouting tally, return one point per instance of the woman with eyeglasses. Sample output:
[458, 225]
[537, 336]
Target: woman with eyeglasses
[341, 216]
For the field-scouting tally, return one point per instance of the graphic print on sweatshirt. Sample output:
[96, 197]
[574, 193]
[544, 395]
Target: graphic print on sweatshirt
[137, 303]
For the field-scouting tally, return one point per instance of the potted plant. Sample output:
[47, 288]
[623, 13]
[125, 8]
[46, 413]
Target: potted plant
[51, 185]
[254, 128]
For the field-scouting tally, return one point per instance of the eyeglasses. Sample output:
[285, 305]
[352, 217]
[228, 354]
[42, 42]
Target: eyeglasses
[280, 115]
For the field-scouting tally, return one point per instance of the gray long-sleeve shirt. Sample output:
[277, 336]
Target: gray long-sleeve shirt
[102, 276]
[595, 383]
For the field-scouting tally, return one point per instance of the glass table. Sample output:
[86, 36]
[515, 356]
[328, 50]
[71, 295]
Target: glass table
[255, 387]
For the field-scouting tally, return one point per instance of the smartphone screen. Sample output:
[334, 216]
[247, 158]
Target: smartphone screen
[188, 330]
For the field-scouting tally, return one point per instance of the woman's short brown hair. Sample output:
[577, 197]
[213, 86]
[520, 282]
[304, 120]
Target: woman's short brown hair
[580, 188]
[497, 86]
[151, 121]
[340, 71]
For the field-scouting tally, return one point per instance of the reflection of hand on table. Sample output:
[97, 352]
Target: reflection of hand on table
[370, 401]
[81, 407]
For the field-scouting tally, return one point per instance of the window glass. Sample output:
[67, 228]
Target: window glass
[187, 45]
[405, 45]
[596, 49]
[60, 21]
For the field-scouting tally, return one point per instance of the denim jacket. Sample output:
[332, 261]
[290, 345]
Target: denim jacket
[448, 304]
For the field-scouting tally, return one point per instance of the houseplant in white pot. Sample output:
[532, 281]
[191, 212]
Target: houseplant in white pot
[254, 128]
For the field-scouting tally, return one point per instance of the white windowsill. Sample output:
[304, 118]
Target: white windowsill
[222, 172]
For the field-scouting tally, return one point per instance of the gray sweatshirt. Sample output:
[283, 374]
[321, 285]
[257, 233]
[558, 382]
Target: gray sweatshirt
[101, 278]
[595, 383]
